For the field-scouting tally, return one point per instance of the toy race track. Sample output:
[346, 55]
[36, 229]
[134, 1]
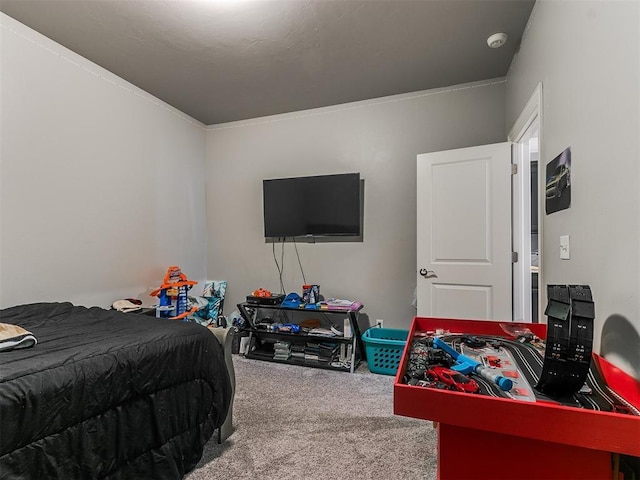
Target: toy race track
[550, 435]
[519, 361]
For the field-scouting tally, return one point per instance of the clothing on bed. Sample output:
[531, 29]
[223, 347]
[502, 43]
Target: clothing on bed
[13, 337]
[108, 395]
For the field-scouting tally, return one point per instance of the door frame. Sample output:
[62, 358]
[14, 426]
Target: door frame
[521, 208]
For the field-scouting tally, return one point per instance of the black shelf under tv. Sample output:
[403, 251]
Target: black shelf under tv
[330, 352]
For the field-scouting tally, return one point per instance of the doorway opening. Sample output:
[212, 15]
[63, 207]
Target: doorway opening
[527, 292]
[534, 155]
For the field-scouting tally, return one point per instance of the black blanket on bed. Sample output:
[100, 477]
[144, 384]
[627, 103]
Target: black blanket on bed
[108, 395]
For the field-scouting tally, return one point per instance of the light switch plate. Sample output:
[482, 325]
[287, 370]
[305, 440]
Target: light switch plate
[565, 251]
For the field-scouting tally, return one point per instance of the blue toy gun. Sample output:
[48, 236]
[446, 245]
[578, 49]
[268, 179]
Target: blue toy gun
[468, 365]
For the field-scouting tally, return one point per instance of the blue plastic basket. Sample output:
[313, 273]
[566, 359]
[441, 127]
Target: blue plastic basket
[384, 347]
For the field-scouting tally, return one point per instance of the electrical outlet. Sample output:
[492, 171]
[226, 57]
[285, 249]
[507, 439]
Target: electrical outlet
[379, 323]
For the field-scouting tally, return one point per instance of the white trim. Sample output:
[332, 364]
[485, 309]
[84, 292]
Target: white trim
[521, 200]
[313, 112]
[531, 110]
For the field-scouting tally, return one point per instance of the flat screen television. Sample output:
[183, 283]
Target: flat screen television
[321, 205]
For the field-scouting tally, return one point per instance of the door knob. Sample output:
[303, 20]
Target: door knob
[427, 273]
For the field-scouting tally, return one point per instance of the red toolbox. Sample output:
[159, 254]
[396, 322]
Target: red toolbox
[483, 437]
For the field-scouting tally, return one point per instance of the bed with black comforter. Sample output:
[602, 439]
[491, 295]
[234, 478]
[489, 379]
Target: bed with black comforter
[108, 395]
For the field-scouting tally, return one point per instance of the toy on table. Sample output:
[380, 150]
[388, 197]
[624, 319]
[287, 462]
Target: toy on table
[466, 365]
[172, 295]
[310, 294]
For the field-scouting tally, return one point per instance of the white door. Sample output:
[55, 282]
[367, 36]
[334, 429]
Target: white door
[464, 233]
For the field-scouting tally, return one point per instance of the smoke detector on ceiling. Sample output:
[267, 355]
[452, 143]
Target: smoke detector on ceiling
[497, 40]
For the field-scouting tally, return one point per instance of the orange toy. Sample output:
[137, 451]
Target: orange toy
[174, 287]
[261, 292]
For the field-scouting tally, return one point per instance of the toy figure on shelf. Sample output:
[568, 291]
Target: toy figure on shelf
[172, 295]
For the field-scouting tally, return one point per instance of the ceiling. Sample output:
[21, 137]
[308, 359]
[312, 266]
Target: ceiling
[227, 60]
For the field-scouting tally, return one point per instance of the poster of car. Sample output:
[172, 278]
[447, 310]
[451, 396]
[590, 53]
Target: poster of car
[558, 186]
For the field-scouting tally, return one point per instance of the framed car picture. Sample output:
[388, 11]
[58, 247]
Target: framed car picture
[558, 183]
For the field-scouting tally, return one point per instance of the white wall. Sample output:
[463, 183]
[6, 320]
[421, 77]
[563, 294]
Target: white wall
[102, 185]
[379, 139]
[586, 54]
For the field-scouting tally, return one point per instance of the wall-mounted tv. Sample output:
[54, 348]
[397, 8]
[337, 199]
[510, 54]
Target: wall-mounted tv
[321, 205]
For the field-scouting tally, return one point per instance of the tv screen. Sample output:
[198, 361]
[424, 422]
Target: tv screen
[312, 206]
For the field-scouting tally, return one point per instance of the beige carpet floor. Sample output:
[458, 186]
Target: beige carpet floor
[299, 423]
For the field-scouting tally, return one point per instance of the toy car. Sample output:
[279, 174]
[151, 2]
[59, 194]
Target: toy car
[493, 361]
[473, 341]
[452, 379]
[427, 383]
[438, 357]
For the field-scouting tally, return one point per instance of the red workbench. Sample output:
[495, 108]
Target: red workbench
[482, 437]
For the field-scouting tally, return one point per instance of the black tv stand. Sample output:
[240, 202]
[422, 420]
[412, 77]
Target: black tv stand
[306, 347]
